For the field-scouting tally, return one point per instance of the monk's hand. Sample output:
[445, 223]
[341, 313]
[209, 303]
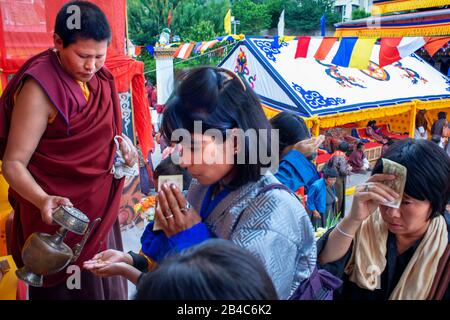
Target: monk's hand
[173, 213]
[128, 150]
[370, 195]
[309, 146]
[49, 204]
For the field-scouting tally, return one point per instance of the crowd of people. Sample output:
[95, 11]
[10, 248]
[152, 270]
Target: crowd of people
[240, 231]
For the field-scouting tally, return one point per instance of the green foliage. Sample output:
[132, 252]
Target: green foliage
[253, 17]
[359, 14]
[304, 15]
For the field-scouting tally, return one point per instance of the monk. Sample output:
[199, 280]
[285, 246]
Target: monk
[58, 118]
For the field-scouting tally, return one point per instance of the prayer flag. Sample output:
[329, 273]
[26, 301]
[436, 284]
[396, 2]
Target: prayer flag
[344, 53]
[227, 22]
[361, 53]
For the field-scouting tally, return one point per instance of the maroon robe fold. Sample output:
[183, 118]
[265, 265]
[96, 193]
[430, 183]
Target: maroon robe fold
[74, 156]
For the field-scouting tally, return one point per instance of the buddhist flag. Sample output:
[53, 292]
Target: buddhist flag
[206, 45]
[302, 47]
[361, 53]
[394, 49]
[169, 18]
[324, 48]
[344, 53]
[184, 51]
[281, 24]
[433, 44]
[227, 22]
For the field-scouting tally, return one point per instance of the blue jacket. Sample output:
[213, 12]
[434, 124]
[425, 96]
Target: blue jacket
[317, 196]
[296, 171]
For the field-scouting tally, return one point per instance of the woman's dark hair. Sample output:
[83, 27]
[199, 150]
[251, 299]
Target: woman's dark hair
[442, 115]
[168, 167]
[371, 123]
[214, 270]
[222, 101]
[292, 129]
[330, 173]
[93, 23]
[343, 146]
[359, 145]
[428, 171]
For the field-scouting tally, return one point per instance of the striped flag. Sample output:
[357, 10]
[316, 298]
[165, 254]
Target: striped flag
[184, 51]
[394, 49]
[206, 45]
[325, 46]
[361, 53]
[344, 53]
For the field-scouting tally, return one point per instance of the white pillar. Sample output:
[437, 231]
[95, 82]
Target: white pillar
[164, 73]
[164, 77]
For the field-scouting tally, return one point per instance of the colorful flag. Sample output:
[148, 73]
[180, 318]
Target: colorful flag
[227, 22]
[197, 47]
[151, 50]
[361, 53]
[281, 24]
[322, 25]
[206, 45]
[184, 51]
[344, 53]
[302, 47]
[169, 18]
[394, 49]
[324, 48]
[433, 44]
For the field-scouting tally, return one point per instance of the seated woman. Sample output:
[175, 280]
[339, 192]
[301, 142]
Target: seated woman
[373, 132]
[296, 150]
[216, 269]
[386, 253]
[357, 159]
[217, 117]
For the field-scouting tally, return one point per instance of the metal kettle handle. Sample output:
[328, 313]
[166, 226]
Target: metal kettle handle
[79, 246]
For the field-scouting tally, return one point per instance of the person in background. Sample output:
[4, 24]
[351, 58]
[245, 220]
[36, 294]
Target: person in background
[421, 128]
[438, 127]
[216, 269]
[385, 253]
[338, 162]
[297, 150]
[374, 133]
[322, 198]
[358, 160]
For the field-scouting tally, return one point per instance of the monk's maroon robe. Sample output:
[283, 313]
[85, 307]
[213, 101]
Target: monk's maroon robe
[74, 156]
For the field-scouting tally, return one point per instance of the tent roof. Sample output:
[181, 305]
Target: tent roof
[311, 87]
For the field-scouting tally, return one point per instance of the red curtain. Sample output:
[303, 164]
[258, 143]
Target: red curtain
[127, 71]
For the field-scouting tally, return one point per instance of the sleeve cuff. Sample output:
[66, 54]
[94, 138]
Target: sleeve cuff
[190, 237]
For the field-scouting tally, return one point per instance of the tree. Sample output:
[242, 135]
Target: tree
[304, 15]
[359, 14]
[253, 17]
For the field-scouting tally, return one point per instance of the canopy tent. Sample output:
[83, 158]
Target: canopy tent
[327, 95]
[388, 6]
[421, 23]
[24, 35]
